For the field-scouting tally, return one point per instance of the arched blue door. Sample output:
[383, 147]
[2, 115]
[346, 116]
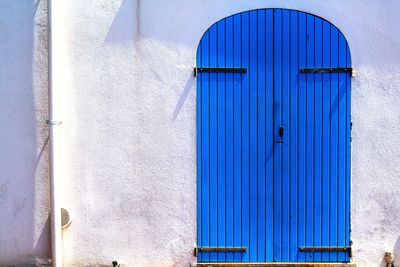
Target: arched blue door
[273, 139]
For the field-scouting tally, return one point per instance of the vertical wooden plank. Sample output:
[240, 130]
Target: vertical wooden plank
[342, 148]
[253, 105]
[213, 143]
[245, 135]
[261, 134]
[221, 146]
[326, 85]
[237, 136]
[199, 146]
[277, 123]
[293, 132]
[318, 141]
[229, 83]
[309, 131]
[302, 138]
[205, 154]
[348, 154]
[334, 143]
[285, 138]
[269, 135]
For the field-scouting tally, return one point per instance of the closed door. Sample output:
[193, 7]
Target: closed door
[273, 139]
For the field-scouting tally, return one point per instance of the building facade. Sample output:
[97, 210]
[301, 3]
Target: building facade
[129, 133]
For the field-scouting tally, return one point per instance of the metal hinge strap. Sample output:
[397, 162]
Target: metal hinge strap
[221, 249]
[325, 249]
[327, 70]
[219, 70]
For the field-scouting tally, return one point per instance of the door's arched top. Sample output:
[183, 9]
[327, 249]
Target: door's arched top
[296, 14]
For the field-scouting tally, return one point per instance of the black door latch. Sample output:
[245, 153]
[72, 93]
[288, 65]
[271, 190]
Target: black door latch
[281, 130]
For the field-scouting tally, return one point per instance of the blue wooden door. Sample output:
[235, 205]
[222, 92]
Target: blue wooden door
[273, 139]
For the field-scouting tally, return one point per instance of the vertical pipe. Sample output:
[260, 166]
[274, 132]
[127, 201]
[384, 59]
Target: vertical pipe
[56, 248]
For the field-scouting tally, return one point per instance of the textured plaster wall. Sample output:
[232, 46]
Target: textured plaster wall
[128, 134]
[24, 196]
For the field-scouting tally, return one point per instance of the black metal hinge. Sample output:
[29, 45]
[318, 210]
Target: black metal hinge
[325, 249]
[218, 249]
[327, 70]
[218, 70]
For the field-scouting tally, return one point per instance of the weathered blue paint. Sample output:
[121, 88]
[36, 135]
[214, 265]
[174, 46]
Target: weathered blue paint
[259, 189]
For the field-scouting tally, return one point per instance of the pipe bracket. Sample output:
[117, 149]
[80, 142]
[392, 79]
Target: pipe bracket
[51, 122]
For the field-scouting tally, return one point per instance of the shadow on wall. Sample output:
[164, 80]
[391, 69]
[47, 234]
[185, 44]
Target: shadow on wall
[188, 86]
[21, 237]
[126, 27]
[126, 24]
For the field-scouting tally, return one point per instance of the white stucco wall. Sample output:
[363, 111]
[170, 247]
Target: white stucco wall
[129, 155]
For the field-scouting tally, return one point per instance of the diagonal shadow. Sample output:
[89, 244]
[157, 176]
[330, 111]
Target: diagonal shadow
[188, 86]
[126, 24]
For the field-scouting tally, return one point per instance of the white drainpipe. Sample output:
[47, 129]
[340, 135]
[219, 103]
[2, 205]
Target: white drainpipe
[54, 128]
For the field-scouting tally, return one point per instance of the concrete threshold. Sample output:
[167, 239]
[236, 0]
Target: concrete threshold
[274, 264]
